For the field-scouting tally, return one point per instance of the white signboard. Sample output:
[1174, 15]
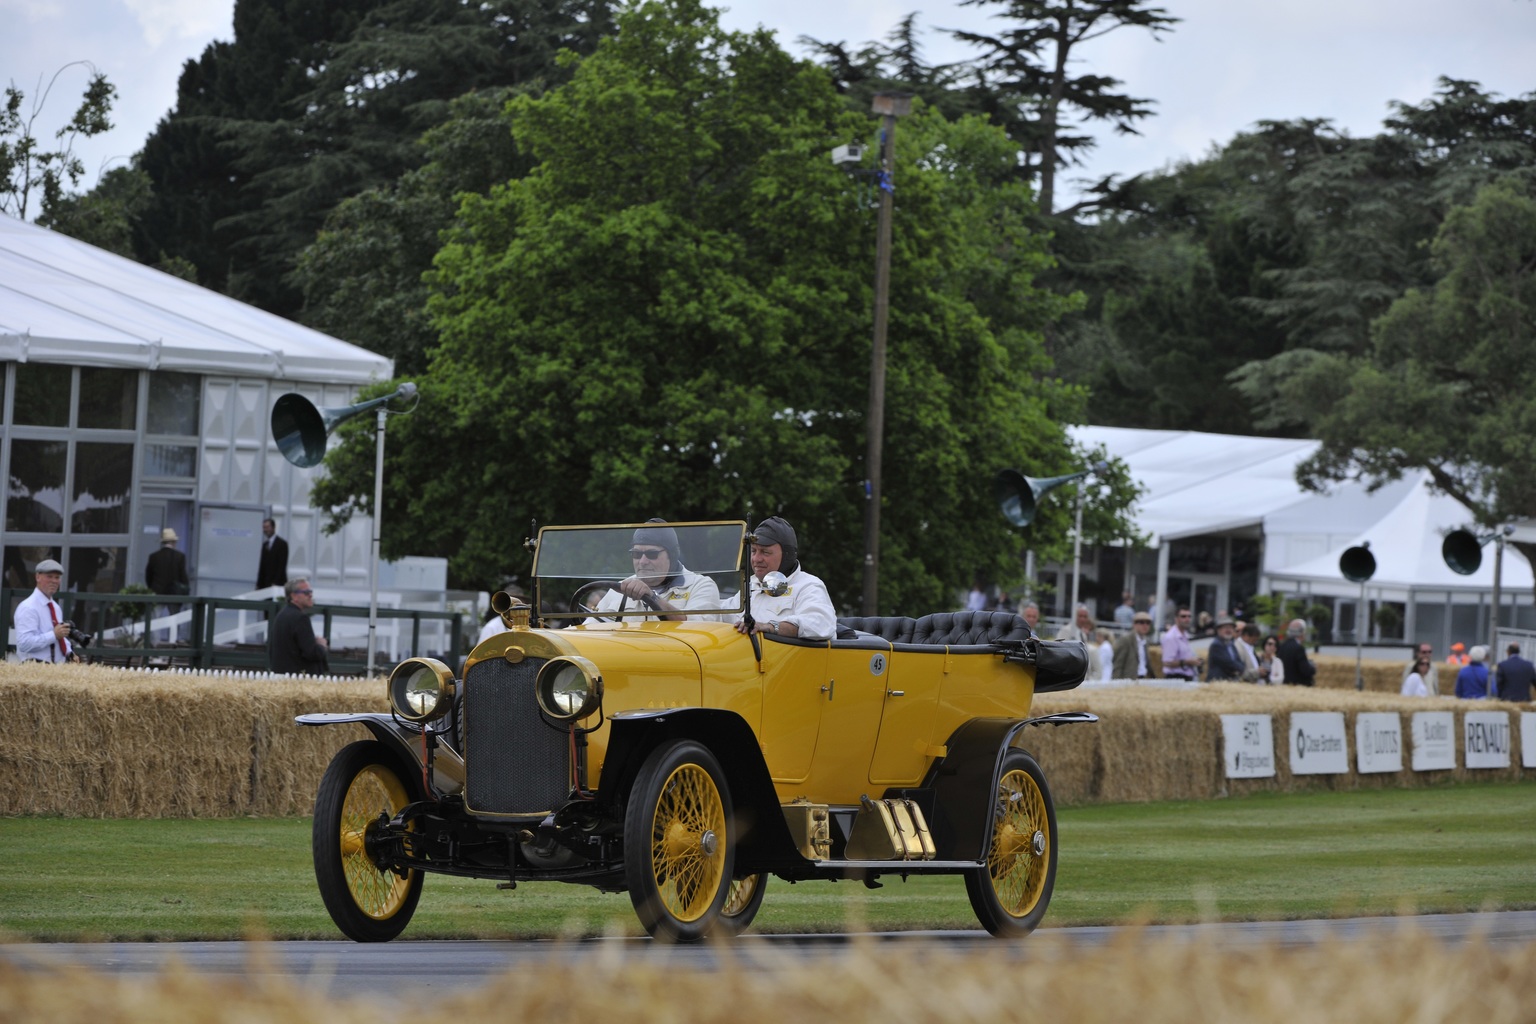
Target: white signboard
[1317, 743]
[1248, 746]
[1378, 742]
[1486, 735]
[1528, 739]
[1434, 740]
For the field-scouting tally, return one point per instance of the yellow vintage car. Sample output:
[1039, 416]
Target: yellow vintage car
[685, 763]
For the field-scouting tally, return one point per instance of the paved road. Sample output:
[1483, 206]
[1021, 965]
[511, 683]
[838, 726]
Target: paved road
[404, 968]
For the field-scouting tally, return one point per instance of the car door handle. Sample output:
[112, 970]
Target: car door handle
[895, 693]
[827, 689]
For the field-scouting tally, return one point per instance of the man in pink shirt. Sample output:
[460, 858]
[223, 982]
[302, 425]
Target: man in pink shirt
[1179, 661]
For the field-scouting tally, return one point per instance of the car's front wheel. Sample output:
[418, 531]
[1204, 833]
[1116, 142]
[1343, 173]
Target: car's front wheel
[1011, 892]
[367, 903]
[679, 842]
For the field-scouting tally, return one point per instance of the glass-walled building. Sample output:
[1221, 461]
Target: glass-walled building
[132, 401]
[80, 482]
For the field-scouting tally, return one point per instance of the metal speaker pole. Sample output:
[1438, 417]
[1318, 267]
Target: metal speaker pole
[300, 428]
[1019, 496]
[1358, 564]
[1463, 551]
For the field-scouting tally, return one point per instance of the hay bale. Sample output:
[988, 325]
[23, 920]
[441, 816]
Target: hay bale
[1159, 744]
[94, 741]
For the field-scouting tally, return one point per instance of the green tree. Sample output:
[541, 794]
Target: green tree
[28, 169]
[1021, 80]
[669, 315]
[362, 277]
[203, 179]
[314, 103]
[1027, 68]
[1449, 384]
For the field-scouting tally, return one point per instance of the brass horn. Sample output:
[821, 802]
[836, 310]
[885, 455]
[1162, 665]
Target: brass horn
[1357, 564]
[300, 429]
[1019, 495]
[513, 611]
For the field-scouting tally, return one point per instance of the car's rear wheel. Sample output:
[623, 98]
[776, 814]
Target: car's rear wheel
[679, 842]
[367, 903]
[1010, 894]
[742, 903]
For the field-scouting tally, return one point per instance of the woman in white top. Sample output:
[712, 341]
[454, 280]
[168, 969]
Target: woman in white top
[1414, 685]
[1271, 668]
[1106, 655]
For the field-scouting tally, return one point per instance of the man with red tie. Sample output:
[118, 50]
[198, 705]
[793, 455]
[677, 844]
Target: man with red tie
[41, 632]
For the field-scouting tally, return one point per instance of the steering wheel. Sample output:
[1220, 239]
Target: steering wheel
[579, 599]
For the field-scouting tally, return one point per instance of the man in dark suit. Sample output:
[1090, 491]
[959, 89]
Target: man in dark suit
[1293, 655]
[272, 570]
[1223, 660]
[292, 647]
[1515, 676]
[166, 573]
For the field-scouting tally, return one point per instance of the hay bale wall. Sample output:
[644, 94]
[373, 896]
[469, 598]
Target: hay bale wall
[1157, 744]
[88, 741]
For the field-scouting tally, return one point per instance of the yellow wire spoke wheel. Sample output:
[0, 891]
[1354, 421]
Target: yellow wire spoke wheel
[1011, 892]
[687, 842]
[368, 903]
[375, 790]
[1019, 854]
[678, 843]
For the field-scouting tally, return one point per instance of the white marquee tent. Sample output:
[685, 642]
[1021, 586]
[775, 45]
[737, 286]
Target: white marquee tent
[64, 301]
[1199, 485]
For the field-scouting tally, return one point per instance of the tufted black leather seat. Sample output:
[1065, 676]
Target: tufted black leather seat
[895, 628]
[966, 629]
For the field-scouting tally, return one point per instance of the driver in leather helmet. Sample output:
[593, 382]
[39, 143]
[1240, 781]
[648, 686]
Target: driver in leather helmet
[661, 582]
[803, 608]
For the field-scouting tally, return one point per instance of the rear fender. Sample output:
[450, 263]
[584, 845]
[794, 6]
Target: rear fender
[762, 834]
[964, 783]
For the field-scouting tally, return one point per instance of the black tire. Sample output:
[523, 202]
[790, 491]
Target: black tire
[368, 905]
[679, 842]
[741, 904]
[1011, 893]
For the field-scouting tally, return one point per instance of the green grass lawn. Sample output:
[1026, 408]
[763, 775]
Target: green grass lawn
[1459, 848]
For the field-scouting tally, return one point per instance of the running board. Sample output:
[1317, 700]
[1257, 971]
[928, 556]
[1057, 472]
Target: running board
[899, 867]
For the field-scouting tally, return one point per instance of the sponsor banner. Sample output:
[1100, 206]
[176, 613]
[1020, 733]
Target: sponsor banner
[1486, 737]
[1248, 746]
[1317, 745]
[1434, 740]
[1378, 742]
[1528, 739]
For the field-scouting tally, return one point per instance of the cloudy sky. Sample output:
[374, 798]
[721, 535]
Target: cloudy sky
[1228, 64]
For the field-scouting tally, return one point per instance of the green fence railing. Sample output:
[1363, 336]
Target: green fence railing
[212, 632]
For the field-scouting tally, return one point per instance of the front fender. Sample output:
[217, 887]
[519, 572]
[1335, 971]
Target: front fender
[448, 766]
[762, 835]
